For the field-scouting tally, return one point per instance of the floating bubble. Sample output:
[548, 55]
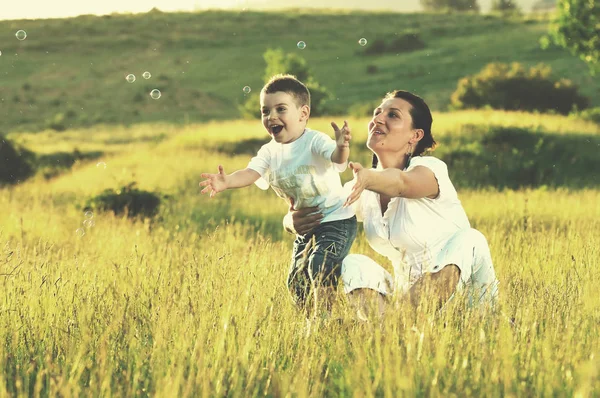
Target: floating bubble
[155, 94]
[100, 165]
[80, 232]
[362, 42]
[0, 53]
[301, 45]
[146, 75]
[89, 223]
[247, 89]
[21, 34]
[130, 78]
[89, 215]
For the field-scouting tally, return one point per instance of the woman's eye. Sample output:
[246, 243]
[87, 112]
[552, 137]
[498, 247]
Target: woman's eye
[392, 114]
[280, 109]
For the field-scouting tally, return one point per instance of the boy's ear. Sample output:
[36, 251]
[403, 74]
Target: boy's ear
[304, 113]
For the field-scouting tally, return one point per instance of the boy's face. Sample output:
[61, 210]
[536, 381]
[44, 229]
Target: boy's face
[282, 117]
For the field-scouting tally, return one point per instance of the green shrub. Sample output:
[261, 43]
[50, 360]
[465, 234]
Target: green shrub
[512, 87]
[372, 69]
[403, 42]
[450, 5]
[512, 157]
[591, 114]
[126, 200]
[16, 163]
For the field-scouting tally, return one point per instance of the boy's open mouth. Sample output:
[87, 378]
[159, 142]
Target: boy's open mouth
[276, 129]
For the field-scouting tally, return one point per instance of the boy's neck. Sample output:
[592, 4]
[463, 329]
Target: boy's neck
[296, 139]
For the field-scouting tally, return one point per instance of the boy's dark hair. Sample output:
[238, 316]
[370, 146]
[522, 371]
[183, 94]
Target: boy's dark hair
[288, 84]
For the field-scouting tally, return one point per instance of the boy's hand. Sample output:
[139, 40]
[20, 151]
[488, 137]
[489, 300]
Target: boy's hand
[342, 136]
[214, 183]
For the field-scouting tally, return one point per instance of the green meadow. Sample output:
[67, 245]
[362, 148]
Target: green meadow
[71, 72]
[192, 302]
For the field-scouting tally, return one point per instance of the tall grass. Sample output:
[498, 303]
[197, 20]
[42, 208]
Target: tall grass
[194, 303]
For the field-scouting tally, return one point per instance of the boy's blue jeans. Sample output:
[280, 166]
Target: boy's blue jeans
[317, 257]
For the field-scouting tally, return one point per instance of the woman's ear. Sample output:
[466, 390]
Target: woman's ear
[417, 136]
[304, 113]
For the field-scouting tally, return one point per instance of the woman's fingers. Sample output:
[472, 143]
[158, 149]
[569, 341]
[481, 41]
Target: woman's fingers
[205, 190]
[354, 195]
[335, 126]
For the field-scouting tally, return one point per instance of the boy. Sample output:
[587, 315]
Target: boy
[302, 166]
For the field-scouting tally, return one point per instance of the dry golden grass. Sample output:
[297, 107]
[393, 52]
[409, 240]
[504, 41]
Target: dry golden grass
[194, 303]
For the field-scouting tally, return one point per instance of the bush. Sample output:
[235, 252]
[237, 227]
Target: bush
[503, 5]
[372, 69]
[591, 115]
[511, 87]
[450, 5]
[403, 42]
[126, 200]
[512, 157]
[16, 163]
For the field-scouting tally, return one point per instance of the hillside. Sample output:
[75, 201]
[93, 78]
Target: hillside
[400, 6]
[71, 72]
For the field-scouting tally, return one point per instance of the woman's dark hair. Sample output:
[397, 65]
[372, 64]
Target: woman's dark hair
[421, 119]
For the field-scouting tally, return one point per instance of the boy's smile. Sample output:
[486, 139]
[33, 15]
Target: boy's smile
[283, 119]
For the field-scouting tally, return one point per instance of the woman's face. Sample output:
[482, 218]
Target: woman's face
[391, 129]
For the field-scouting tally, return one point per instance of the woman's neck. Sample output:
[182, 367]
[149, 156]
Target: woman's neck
[391, 160]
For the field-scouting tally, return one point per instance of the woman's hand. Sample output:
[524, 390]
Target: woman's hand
[302, 221]
[361, 176]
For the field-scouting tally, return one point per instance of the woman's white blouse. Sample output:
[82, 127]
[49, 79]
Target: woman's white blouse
[412, 231]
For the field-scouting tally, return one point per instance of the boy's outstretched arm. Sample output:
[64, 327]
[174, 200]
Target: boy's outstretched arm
[342, 139]
[219, 182]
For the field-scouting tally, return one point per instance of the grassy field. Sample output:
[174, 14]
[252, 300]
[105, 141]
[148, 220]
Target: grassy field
[71, 72]
[193, 302]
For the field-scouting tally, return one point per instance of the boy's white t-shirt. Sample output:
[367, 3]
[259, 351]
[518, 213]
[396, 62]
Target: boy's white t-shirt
[303, 170]
[412, 232]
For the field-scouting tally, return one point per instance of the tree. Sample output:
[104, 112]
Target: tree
[455, 5]
[503, 5]
[279, 62]
[577, 28]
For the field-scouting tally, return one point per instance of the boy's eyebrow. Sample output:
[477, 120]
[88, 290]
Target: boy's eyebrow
[282, 103]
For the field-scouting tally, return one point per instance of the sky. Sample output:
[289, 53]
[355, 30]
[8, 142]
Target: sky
[30, 9]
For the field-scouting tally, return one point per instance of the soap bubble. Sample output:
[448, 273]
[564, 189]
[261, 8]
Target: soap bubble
[155, 94]
[89, 223]
[21, 34]
[362, 42]
[247, 89]
[101, 165]
[80, 232]
[130, 78]
[89, 215]
[146, 75]
[301, 45]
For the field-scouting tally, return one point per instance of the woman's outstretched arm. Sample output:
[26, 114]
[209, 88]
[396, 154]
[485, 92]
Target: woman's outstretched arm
[419, 182]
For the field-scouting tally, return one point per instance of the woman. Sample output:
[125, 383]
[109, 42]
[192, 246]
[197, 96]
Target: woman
[411, 214]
